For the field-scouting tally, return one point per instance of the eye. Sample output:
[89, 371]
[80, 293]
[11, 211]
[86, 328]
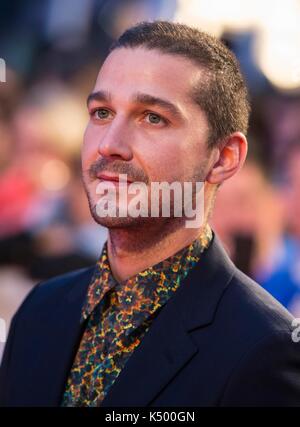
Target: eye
[101, 113]
[154, 119]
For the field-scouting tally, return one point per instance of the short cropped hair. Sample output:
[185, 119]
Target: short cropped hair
[221, 93]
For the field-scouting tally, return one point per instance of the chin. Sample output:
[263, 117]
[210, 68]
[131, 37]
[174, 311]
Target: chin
[119, 222]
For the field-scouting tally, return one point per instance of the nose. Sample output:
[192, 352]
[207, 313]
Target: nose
[116, 141]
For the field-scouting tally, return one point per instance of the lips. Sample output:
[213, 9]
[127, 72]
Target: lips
[112, 178]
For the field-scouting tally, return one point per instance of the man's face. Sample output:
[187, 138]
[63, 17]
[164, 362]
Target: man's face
[144, 123]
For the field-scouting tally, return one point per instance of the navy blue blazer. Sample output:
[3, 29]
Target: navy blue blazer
[221, 340]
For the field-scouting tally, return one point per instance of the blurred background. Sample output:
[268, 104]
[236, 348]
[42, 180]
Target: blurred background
[52, 50]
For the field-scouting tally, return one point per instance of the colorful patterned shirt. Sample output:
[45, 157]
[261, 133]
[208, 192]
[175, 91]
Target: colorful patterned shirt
[118, 316]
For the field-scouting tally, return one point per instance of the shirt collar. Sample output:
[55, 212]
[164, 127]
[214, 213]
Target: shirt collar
[156, 282]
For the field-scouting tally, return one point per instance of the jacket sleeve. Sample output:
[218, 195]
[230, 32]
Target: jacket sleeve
[9, 352]
[268, 375]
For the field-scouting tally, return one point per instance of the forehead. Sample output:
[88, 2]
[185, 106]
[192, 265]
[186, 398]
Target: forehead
[128, 70]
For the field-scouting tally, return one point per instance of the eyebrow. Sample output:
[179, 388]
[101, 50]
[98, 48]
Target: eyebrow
[150, 100]
[140, 98]
[100, 95]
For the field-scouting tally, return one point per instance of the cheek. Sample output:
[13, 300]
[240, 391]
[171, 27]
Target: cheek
[163, 161]
[171, 156]
[178, 158]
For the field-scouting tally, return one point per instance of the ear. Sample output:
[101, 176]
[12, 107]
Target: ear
[229, 158]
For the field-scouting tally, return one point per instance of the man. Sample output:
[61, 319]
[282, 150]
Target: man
[164, 318]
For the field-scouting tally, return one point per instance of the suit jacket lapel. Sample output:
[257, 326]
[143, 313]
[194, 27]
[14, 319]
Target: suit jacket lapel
[167, 346]
[57, 345]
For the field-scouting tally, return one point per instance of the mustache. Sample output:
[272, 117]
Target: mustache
[119, 167]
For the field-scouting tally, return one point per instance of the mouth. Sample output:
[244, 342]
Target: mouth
[113, 178]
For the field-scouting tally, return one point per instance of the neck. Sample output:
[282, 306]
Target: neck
[132, 250]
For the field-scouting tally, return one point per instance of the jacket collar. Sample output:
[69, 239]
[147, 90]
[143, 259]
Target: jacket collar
[199, 296]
